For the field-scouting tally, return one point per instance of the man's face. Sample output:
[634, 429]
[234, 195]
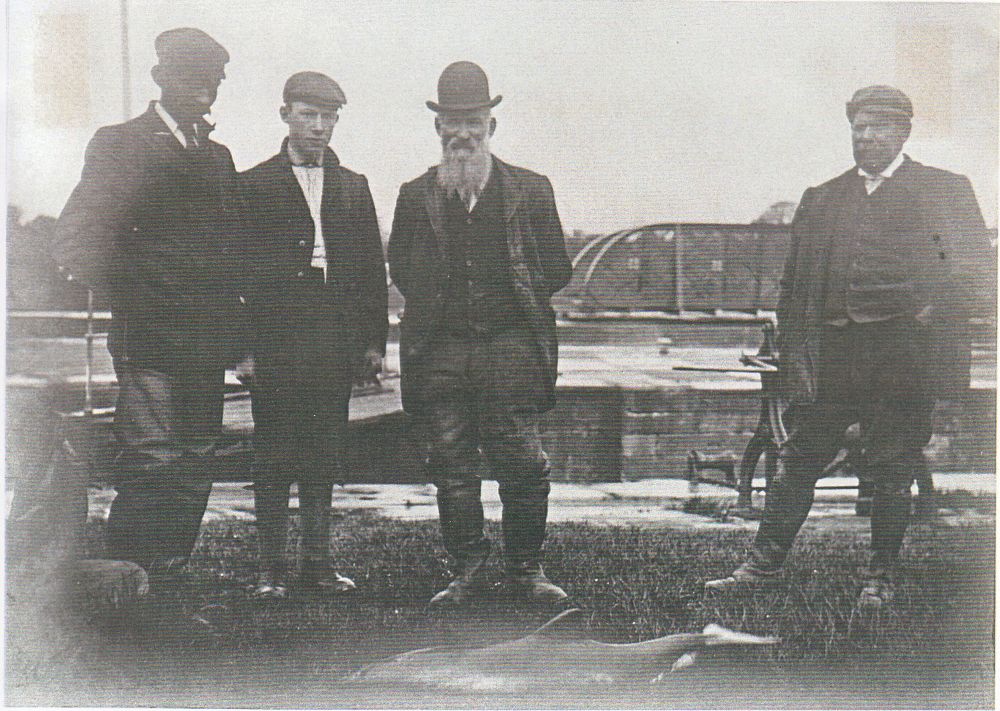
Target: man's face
[309, 126]
[463, 132]
[189, 91]
[877, 139]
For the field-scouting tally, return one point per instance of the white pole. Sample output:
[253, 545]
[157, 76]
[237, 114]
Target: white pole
[126, 69]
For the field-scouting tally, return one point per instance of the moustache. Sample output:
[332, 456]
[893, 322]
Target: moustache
[457, 144]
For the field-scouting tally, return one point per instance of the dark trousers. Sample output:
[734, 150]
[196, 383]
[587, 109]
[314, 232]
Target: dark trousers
[874, 375]
[300, 411]
[167, 426]
[473, 386]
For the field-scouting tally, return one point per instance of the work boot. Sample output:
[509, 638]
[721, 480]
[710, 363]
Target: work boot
[460, 508]
[877, 591]
[314, 510]
[270, 587]
[746, 577]
[323, 579]
[529, 581]
[271, 512]
[470, 577]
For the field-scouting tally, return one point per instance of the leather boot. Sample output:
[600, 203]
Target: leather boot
[525, 510]
[155, 520]
[786, 506]
[314, 511]
[470, 577]
[460, 509]
[271, 510]
[528, 580]
[890, 518]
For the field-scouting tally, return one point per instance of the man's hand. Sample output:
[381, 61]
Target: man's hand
[245, 371]
[369, 367]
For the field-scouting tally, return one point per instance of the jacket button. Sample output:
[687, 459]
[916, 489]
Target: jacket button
[941, 255]
[135, 229]
[302, 243]
[468, 221]
[300, 274]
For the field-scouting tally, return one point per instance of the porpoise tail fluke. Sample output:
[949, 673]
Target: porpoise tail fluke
[716, 635]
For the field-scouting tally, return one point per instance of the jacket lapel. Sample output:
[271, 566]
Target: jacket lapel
[291, 185]
[434, 204]
[331, 203]
[513, 190]
[159, 137]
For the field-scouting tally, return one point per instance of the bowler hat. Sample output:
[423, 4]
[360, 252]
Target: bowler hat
[881, 99]
[463, 87]
[188, 46]
[313, 88]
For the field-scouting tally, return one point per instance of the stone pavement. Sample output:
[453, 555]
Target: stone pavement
[650, 501]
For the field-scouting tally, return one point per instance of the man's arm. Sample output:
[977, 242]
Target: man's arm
[97, 212]
[550, 240]
[787, 282]
[372, 262]
[972, 260]
[399, 243]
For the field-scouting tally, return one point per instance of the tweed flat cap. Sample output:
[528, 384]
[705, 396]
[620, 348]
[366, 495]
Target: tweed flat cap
[189, 46]
[313, 88]
[882, 99]
[463, 86]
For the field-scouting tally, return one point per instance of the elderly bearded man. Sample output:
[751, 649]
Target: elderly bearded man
[887, 263]
[318, 310]
[477, 251]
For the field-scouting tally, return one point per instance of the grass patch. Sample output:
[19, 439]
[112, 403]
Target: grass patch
[636, 583]
[716, 509]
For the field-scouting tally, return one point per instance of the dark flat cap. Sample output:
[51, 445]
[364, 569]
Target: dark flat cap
[313, 88]
[463, 86]
[189, 46]
[882, 99]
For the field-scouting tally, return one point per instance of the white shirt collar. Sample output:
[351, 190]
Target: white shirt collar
[887, 171]
[172, 124]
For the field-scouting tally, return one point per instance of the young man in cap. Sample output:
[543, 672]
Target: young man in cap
[887, 263]
[318, 309]
[155, 228]
[477, 251]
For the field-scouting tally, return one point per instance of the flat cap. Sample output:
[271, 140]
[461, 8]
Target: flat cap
[314, 88]
[189, 46]
[882, 99]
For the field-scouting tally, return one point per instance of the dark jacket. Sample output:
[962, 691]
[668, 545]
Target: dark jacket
[418, 262]
[355, 294]
[933, 217]
[158, 230]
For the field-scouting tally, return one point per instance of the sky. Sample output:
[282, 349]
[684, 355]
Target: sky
[639, 112]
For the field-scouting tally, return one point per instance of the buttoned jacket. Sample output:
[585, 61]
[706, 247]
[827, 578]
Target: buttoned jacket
[933, 219]
[419, 250]
[158, 231]
[354, 295]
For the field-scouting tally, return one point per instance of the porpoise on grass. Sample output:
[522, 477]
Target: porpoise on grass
[546, 658]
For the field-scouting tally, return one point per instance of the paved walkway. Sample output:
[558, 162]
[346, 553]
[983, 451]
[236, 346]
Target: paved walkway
[650, 501]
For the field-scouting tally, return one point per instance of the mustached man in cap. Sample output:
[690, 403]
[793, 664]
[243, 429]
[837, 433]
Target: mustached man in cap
[318, 308]
[888, 262]
[477, 251]
[154, 227]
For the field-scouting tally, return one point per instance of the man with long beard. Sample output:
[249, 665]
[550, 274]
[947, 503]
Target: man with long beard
[477, 251]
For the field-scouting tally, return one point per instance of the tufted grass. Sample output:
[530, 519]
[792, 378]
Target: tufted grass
[933, 648]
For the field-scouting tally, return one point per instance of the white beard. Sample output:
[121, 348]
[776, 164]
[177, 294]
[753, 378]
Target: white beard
[464, 173]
